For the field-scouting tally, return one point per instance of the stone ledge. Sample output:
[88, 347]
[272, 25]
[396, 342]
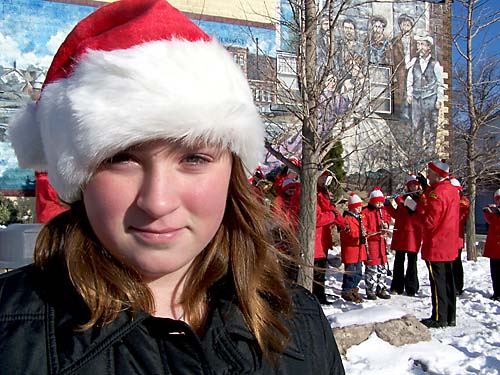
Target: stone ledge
[397, 332]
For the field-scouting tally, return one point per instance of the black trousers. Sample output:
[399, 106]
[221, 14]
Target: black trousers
[319, 279]
[402, 281]
[495, 276]
[442, 291]
[458, 273]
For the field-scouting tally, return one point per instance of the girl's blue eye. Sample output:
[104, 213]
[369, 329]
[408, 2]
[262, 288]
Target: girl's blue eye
[196, 159]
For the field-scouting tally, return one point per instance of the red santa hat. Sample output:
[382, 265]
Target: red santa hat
[288, 184]
[131, 72]
[411, 179]
[295, 160]
[376, 195]
[440, 167]
[456, 183]
[354, 201]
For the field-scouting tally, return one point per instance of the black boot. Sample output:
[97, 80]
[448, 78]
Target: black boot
[382, 293]
[371, 296]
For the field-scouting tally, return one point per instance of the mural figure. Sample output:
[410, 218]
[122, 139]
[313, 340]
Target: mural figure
[324, 45]
[425, 93]
[349, 48]
[404, 49]
[379, 46]
[331, 105]
[355, 87]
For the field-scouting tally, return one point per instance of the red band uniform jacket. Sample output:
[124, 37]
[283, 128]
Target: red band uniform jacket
[352, 250]
[440, 208]
[327, 216]
[407, 234]
[492, 246]
[375, 220]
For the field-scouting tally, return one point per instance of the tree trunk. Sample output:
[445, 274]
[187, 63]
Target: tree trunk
[470, 226]
[471, 141]
[309, 167]
[307, 222]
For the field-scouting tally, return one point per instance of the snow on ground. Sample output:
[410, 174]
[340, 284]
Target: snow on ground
[472, 347]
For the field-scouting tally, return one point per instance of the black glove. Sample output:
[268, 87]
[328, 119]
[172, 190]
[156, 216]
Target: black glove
[284, 170]
[423, 181]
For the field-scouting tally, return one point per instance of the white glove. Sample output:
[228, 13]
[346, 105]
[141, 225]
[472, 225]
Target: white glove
[410, 203]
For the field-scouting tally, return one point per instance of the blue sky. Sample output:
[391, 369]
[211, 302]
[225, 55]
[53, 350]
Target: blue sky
[488, 42]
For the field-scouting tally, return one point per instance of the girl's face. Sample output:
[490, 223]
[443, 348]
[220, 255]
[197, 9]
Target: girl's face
[378, 204]
[156, 206]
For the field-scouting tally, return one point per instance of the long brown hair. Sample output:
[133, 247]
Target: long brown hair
[240, 252]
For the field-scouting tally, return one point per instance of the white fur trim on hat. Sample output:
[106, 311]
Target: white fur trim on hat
[115, 99]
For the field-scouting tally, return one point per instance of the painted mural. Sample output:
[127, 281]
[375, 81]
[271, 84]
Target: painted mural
[30, 33]
[386, 62]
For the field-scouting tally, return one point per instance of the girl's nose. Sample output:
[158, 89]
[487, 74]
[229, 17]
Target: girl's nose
[158, 195]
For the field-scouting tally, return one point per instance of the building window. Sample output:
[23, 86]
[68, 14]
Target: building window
[286, 64]
[257, 95]
[380, 89]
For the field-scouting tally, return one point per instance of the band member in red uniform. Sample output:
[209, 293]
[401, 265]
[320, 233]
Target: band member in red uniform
[286, 173]
[458, 270]
[353, 249]
[286, 210]
[327, 215]
[492, 246]
[440, 209]
[406, 239]
[377, 226]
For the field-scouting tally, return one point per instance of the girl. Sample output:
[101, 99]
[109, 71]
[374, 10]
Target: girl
[353, 249]
[162, 264]
[377, 225]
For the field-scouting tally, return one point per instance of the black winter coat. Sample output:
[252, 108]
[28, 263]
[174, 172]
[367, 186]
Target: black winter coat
[39, 311]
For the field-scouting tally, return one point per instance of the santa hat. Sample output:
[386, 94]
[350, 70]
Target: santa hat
[329, 177]
[440, 167]
[131, 72]
[376, 195]
[497, 194]
[354, 201]
[455, 182]
[287, 184]
[295, 160]
[412, 179]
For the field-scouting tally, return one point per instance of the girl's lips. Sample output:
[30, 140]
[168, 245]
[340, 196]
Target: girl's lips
[156, 237]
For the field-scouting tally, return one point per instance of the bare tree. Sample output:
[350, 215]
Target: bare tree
[337, 101]
[477, 100]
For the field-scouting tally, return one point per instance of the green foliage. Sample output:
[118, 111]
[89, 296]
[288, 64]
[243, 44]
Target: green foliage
[6, 210]
[337, 168]
[25, 207]
[19, 211]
